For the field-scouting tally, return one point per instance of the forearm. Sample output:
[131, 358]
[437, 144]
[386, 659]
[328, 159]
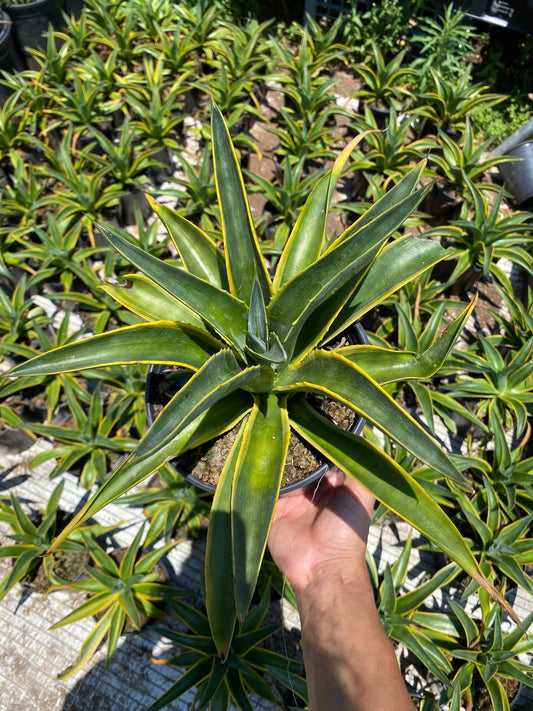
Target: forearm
[349, 660]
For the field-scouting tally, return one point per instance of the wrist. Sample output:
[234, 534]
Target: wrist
[332, 580]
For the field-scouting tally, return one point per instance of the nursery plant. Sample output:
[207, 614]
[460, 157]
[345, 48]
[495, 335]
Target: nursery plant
[489, 235]
[388, 153]
[416, 336]
[170, 503]
[18, 311]
[448, 103]
[404, 615]
[509, 469]
[488, 655]
[461, 160]
[385, 83]
[32, 536]
[243, 672]
[256, 346]
[92, 440]
[51, 386]
[444, 41]
[124, 588]
[499, 382]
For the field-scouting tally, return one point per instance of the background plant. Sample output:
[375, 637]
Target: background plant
[126, 590]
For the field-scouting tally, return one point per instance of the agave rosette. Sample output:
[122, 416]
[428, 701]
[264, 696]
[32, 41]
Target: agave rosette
[255, 347]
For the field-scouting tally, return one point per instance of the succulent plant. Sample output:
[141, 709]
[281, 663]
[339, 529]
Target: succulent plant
[256, 346]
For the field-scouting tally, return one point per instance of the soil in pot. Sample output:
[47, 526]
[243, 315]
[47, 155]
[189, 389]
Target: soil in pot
[67, 565]
[202, 465]
[205, 463]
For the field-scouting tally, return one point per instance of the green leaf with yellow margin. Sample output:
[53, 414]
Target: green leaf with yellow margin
[219, 587]
[240, 241]
[220, 376]
[389, 483]
[158, 342]
[329, 374]
[399, 263]
[256, 486]
[306, 239]
[90, 645]
[387, 202]
[192, 677]
[386, 366]
[197, 251]
[226, 314]
[219, 418]
[290, 307]
[142, 296]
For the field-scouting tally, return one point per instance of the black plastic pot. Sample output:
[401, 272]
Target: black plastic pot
[30, 22]
[163, 170]
[442, 204]
[428, 127]
[519, 702]
[127, 207]
[156, 374]
[381, 116]
[518, 176]
[10, 59]
[73, 8]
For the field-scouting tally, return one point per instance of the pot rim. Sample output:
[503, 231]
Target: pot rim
[359, 336]
[18, 8]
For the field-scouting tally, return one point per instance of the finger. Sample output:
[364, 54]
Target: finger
[335, 476]
[364, 497]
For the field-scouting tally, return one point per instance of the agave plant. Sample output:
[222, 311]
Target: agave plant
[385, 83]
[31, 537]
[243, 673]
[255, 344]
[448, 103]
[127, 588]
[488, 655]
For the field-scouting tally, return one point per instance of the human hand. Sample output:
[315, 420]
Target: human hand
[321, 528]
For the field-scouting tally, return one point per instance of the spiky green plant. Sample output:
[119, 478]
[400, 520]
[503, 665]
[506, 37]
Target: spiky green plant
[256, 347]
[217, 682]
[130, 589]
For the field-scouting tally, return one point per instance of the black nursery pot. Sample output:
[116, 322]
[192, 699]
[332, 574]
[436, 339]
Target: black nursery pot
[428, 127]
[9, 57]
[74, 8]
[127, 207]
[381, 116]
[518, 177]
[156, 374]
[30, 22]
[442, 204]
